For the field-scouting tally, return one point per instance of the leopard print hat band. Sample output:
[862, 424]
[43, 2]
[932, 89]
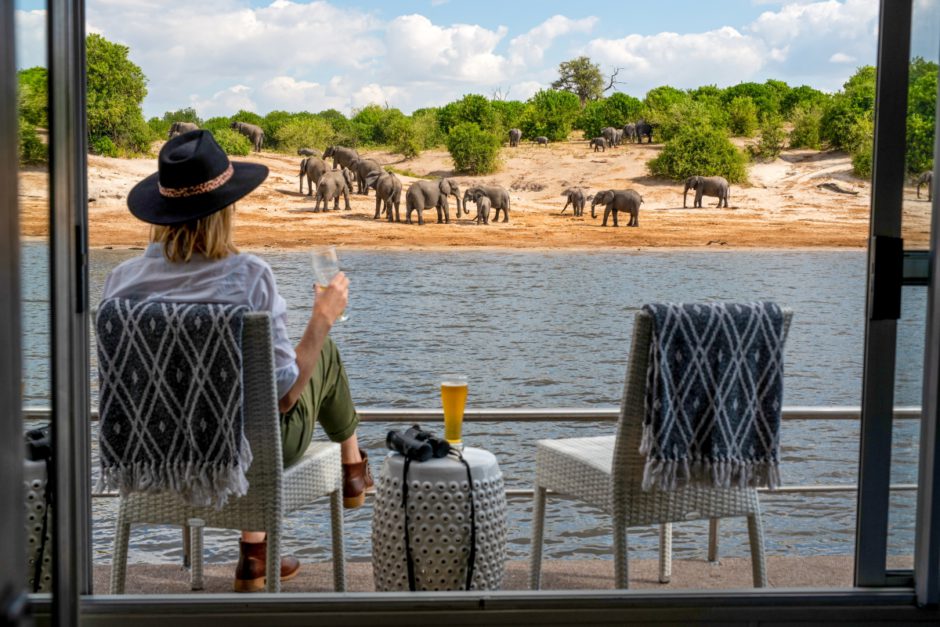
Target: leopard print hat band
[201, 188]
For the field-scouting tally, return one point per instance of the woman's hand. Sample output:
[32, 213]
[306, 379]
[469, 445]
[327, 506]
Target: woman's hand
[330, 301]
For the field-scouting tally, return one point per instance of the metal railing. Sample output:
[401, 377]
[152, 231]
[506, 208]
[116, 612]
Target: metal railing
[600, 414]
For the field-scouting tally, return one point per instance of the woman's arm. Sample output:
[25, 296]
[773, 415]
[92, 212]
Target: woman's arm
[328, 303]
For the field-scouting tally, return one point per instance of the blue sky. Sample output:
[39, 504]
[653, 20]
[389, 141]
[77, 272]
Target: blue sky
[222, 55]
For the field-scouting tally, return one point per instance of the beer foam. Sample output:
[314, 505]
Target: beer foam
[454, 384]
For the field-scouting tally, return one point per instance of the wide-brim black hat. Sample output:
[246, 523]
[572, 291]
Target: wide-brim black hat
[194, 179]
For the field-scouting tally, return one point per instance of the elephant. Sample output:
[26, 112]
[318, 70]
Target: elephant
[483, 207]
[306, 152]
[644, 129]
[313, 168]
[341, 155]
[387, 193]
[599, 143]
[426, 194]
[926, 178]
[178, 128]
[613, 135]
[514, 136]
[629, 132]
[362, 168]
[333, 184]
[576, 199]
[706, 186]
[499, 199]
[541, 140]
[254, 134]
[618, 200]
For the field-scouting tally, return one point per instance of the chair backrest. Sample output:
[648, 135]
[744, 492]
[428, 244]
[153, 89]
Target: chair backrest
[628, 463]
[261, 420]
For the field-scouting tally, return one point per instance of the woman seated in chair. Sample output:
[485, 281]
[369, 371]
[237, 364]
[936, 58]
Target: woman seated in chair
[190, 203]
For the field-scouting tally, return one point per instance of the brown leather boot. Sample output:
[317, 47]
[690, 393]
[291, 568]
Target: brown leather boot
[250, 572]
[357, 480]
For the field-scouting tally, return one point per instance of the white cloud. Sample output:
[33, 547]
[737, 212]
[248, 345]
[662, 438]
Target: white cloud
[530, 48]
[30, 38]
[419, 49]
[721, 56]
[841, 58]
[225, 102]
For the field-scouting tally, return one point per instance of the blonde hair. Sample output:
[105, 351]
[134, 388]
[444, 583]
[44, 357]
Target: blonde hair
[210, 236]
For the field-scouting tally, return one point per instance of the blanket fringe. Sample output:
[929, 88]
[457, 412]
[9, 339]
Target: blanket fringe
[199, 485]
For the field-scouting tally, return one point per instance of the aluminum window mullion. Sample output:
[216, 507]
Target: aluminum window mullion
[70, 398]
[894, 35]
[12, 522]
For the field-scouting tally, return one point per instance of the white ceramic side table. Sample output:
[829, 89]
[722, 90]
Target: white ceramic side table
[439, 523]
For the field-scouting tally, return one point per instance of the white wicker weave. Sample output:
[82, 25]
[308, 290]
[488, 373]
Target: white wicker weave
[273, 491]
[607, 472]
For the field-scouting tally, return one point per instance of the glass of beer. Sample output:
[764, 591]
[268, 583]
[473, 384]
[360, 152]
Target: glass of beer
[454, 399]
[325, 267]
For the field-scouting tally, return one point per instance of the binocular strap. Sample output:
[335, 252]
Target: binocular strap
[471, 558]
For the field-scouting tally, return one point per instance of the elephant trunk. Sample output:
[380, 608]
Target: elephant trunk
[461, 205]
[685, 193]
[593, 204]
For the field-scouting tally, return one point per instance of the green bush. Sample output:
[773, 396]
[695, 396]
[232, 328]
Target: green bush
[232, 142]
[615, 111]
[474, 150]
[310, 132]
[765, 96]
[660, 100]
[806, 123]
[700, 150]
[32, 95]
[216, 124]
[471, 108]
[31, 148]
[803, 97]
[742, 116]
[550, 113]
[102, 145]
[402, 137]
[686, 114]
[861, 143]
[772, 137]
[426, 128]
[508, 112]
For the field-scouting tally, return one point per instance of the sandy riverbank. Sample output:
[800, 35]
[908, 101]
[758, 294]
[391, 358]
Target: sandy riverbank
[783, 206]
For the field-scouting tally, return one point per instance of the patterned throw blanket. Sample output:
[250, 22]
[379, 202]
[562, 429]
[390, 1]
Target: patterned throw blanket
[713, 395]
[171, 400]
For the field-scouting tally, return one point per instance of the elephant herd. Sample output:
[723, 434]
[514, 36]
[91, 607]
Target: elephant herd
[629, 201]
[349, 169]
[611, 136]
[254, 133]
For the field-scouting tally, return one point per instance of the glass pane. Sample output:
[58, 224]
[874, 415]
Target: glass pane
[34, 269]
[922, 104]
[906, 433]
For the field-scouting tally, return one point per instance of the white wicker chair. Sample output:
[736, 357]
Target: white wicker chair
[273, 491]
[607, 472]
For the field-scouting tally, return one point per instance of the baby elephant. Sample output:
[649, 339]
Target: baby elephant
[618, 200]
[307, 152]
[332, 185]
[576, 199]
[599, 143]
[706, 186]
[483, 207]
[541, 140]
[926, 178]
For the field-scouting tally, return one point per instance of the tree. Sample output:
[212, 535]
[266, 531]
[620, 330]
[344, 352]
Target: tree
[550, 113]
[742, 116]
[582, 78]
[116, 87]
[700, 150]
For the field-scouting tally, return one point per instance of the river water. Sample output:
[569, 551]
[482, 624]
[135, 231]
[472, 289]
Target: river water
[553, 330]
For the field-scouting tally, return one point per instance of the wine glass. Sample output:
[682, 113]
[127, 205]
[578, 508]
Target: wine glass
[325, 267]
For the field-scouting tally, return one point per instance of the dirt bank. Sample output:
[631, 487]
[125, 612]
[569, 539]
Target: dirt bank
[797, 201]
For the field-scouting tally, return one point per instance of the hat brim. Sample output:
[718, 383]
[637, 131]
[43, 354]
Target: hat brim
[146, 203]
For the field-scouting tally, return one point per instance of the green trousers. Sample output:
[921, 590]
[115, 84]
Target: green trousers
[326, 399]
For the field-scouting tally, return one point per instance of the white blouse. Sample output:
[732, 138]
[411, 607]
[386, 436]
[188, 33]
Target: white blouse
[240, 279]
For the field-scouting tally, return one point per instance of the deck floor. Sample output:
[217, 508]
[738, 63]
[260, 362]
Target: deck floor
[833, 571]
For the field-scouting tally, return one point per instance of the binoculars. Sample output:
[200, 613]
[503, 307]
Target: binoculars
[416, 444]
